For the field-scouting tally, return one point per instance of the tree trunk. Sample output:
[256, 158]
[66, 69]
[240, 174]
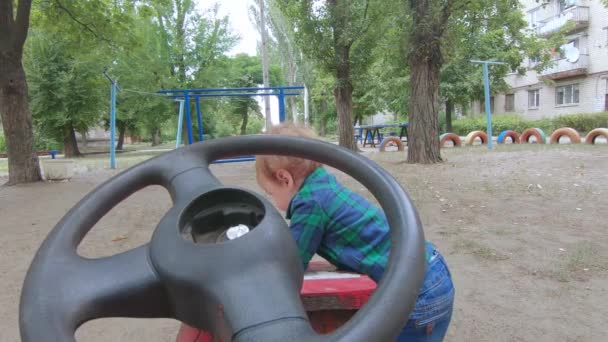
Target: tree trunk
[156, 137]
[121, 136]
[425, 62]
[323, 126]
[449, 108]
[343, 94]
[322, 117]
[84, 139]
[423, 129]
[70, 145]
[244, 124]
[294, 110]
[17, 119]
[265, 67]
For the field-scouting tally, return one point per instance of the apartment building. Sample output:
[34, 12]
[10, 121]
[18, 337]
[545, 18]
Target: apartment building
[577, 81]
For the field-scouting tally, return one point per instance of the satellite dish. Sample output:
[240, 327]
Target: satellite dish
[572, 54]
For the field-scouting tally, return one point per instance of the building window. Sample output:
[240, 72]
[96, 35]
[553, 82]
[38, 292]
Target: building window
[534, 98]
[509, 102]
[567, 94]
[533, 17]
[565, 4]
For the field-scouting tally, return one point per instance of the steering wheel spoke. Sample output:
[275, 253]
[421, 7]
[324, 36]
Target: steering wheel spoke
[121, 285]
[191, 183]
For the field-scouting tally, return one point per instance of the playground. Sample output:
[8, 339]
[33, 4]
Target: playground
[520, 228]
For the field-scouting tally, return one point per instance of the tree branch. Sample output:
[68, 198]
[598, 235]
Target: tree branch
[87, 27]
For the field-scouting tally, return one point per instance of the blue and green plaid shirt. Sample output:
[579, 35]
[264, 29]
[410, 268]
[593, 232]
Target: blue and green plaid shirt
[340, 225]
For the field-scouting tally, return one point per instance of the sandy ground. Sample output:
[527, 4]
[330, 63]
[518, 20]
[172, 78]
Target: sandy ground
[523, 229]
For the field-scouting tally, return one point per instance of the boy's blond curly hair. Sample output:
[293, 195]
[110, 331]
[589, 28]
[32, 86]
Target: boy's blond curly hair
[298, 167]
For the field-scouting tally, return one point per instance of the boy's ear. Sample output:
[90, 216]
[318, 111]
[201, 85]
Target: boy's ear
[284, 177]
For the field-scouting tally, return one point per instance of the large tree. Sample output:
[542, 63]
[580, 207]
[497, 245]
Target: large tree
[65, 87]
[339, 36]
[442, 37]
[14, 109]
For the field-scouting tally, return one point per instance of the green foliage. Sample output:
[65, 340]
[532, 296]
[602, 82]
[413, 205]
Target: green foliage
[256, 124]
[2, 143]
[499, 124]
[65, 85]
[582, 122]
[43, 143]
[223, 129]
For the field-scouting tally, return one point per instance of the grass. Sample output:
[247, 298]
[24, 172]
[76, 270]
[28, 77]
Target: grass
[478, 250]
[579, 263]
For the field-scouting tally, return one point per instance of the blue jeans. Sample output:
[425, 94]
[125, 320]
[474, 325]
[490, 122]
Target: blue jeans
[431, 317]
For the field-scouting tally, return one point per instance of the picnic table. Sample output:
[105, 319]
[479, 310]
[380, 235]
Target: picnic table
[372, 132]
[330, 298]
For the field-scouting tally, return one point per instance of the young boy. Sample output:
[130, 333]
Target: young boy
[346, 229]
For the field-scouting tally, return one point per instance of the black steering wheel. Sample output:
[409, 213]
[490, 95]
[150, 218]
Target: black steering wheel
[245, 289]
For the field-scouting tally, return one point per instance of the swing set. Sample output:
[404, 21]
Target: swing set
[184, 97]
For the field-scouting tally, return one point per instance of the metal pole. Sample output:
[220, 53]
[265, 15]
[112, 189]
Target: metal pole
[188, 118]
[180, 121]
[281, 105]
[113, 126]
[199, 119]
[486, 86]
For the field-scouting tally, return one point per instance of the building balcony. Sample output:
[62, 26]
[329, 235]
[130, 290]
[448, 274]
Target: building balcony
[563, 68]
[577, 15]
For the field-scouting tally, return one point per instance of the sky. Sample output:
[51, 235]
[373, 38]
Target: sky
[238, 14]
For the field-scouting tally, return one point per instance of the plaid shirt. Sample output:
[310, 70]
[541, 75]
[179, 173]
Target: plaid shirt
[339, 225]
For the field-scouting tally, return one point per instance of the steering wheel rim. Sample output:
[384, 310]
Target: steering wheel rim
[62, 290]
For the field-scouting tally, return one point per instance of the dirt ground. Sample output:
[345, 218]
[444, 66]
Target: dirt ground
[523, 229]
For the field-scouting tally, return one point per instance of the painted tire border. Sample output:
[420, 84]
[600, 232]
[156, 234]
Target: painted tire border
[571, 133]
[454, 138]
[508, 133]
[541, 137]
[476, 134]
[590, 137]
[393, 139]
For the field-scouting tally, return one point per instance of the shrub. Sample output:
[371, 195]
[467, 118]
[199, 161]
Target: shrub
[43, 143]
[582, 122]
[2, 144]
[499, 123]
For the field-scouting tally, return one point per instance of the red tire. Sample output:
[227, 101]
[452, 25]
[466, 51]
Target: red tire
[394, 140]
[571, 133]
[474, 135]
[598, 132]
[541, 138]
[455, 139]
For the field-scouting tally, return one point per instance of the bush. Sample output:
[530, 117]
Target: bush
[223, 129]
[499, 123]
[582, 122]
[44, 143]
